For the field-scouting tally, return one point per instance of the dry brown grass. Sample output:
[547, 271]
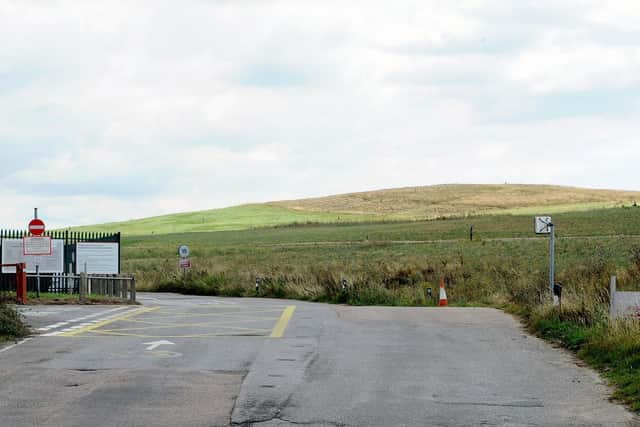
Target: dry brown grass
[460, 200]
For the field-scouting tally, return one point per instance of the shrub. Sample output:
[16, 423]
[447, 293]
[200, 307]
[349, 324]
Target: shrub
[11, 325]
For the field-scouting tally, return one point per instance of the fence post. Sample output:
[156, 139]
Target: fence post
[132, 294]
[83, 286]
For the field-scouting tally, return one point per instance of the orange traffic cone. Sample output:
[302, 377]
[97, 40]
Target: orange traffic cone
[443, 295]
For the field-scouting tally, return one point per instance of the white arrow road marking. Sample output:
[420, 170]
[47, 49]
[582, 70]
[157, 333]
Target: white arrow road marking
[155, 344]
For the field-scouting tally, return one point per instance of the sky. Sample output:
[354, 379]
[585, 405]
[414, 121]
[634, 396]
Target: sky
[113, 110]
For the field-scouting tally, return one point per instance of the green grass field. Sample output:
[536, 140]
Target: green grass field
[357, 251]
[233, 218]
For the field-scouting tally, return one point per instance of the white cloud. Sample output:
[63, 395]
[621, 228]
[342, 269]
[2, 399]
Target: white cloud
[113, 110]
[573, 61]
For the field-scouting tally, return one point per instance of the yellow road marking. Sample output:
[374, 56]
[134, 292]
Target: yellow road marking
[258, 333]
[280, 327]
[204, 326]
[224, 322]
[108, 321]
[225, 315]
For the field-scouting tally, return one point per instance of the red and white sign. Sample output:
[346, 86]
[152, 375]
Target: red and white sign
[185, 263]
[36, 246]
[36, 227]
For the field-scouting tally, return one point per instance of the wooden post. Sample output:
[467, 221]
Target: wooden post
[132, 295]
[83, 286]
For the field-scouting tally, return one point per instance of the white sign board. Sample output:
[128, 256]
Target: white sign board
[13, 253]
[99, 258]
[543, 224]
[37, 245]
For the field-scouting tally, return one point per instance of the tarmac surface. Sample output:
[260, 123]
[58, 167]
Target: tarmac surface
[204, 361]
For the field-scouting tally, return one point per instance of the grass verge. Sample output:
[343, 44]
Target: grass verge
[56, 298]
[611, 347]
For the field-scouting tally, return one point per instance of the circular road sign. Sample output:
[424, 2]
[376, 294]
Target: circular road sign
[36, 227]
[183, 251]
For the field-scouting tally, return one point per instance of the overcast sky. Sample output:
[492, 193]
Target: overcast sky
[115, 110]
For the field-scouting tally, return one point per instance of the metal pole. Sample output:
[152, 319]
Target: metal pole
[35, 213]
[612, 296]
[38, 280]
[552, 261]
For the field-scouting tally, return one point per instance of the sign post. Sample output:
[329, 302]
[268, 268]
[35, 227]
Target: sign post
[552, 259]
[38, 280]
[36, 243]
[185, 263]
[544, 225]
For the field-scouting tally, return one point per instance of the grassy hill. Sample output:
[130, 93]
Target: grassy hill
[402, 204]
[462, 200]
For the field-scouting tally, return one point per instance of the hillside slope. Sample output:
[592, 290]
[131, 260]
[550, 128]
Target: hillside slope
[462, 200]
[413, 203]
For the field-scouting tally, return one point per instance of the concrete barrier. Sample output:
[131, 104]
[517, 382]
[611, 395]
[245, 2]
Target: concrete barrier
[623, 303]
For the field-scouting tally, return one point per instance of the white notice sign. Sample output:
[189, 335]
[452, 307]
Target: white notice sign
[36, 245]
[13, 253]
[99, 258]
[543, 224]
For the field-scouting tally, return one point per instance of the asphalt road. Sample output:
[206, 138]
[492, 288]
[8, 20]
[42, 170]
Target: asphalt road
[202, 361]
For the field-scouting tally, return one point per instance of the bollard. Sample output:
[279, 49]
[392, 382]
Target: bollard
[257, 285]
[344, 285]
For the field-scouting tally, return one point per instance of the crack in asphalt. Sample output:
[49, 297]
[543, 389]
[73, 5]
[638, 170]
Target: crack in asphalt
[523, 404]
[257, 423]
